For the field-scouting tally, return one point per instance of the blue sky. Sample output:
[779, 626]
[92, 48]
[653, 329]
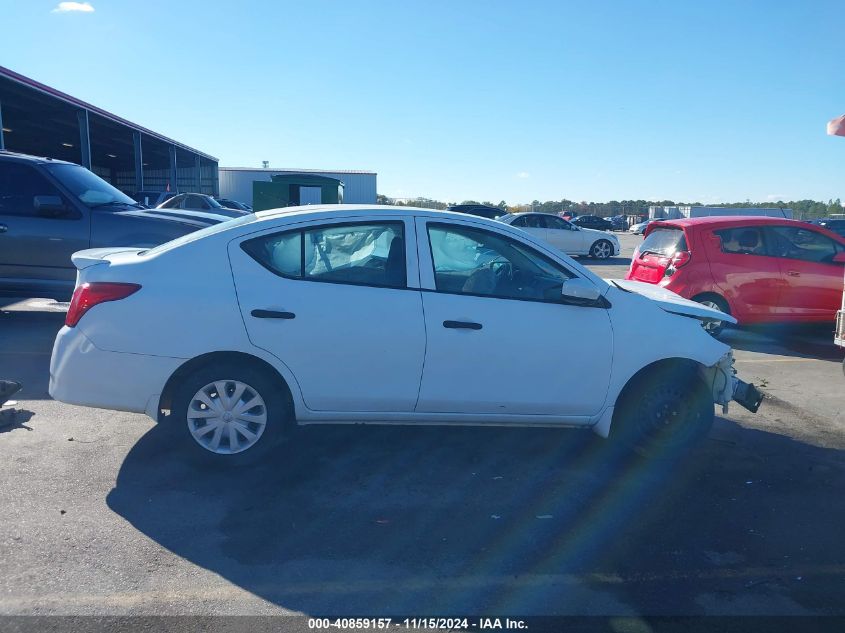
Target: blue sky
[706, 101]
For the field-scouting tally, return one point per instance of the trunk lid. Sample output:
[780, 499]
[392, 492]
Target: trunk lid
[672, 302]
[94, 256]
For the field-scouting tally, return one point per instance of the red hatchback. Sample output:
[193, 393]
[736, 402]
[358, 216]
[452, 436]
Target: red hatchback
[758, 269]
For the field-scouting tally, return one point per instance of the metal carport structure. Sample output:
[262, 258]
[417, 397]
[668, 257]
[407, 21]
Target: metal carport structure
[40, 120]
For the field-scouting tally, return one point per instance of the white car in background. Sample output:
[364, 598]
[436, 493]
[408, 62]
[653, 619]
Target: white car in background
[640, 227]
[563, 235]
[347, 314]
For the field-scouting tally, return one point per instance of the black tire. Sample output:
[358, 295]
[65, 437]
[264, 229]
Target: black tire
[605, 246]
[276, 408]
[664, 415]
[714, 328]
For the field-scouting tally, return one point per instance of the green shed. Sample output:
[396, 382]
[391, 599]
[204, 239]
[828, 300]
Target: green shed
[291, 190]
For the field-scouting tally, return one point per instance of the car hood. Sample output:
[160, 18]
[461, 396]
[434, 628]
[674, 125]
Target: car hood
[597, 232]
[199, 219]
[670, 301]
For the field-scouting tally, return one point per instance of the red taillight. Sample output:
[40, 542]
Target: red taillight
[678, 259]
[88, 295]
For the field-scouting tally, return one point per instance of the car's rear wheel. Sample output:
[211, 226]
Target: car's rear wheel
[664, 415]
[714, 327]
[229, 414]
[602, 249]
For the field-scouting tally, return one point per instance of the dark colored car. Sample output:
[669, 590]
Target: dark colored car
[619, 223]
[481, 210]
[151, 199]
[234, 204]
[199, 202]
[758, 269]
[49, 209]
[592, 222]
[837, 225]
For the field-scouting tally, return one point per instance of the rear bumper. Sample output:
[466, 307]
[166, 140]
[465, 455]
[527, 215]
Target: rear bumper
[83, 374]
[839, 337]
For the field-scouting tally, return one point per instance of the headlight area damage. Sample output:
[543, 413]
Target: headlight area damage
[726, 386]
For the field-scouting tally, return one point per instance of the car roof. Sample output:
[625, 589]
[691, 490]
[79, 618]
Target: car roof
[521, 213]
[727, 220]
[32, 159]
[318, 210]
[473, 206]
[719, 221]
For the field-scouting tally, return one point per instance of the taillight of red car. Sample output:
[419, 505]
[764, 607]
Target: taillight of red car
[677, 260]
[88, 295]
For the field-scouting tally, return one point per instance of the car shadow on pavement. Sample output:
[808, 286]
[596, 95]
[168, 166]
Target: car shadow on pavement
[26, 341]
[375, 520]
[610, 261]
[797, 340]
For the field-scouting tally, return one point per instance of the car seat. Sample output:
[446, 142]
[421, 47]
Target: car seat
[394, 266]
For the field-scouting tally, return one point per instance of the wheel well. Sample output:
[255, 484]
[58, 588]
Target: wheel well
[713, 295]
[228, 358]
[669, 368]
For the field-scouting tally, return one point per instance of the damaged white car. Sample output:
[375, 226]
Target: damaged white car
[382, 315]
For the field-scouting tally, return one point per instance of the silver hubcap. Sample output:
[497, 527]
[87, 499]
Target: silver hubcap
[711, 325]
[602, 250]
[226, 417]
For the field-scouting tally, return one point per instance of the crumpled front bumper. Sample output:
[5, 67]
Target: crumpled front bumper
[727, 387]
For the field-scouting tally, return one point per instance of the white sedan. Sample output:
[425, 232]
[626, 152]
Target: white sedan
[571, 239]
[349, 314]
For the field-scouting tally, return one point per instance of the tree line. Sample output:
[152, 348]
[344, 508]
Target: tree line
[803, 209]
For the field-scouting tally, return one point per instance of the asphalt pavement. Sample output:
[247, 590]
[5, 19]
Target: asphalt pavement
[101, 515]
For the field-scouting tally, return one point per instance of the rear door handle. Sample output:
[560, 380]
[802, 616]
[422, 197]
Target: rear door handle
[793, 273]
[3, 228]
[461, 325]
[272, 314]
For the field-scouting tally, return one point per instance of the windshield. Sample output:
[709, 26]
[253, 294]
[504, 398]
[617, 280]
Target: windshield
[664, 241]
[198, 235]
[89, 188]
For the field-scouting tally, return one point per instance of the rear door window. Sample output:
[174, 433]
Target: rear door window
[664, 241]
[553, 222]
[371, 254]
[742, 240]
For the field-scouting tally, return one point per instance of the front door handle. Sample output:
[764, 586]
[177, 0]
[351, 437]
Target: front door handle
[461, 325]
[3, 228]
[272, 314]
[793, 273]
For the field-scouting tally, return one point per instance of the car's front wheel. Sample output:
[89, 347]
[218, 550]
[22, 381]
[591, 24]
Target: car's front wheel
[664, 414]
[602, 249]
[229, 414]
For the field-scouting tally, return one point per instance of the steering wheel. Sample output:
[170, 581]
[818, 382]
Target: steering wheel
[503, 271]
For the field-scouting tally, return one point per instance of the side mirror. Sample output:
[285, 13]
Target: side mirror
[579, 291]
[49, 206]
[839, 258]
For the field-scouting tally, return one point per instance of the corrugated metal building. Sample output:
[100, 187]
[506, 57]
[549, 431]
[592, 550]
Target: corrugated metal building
[674, 213]
[40, 120]
[700, 212]
[236, 182]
